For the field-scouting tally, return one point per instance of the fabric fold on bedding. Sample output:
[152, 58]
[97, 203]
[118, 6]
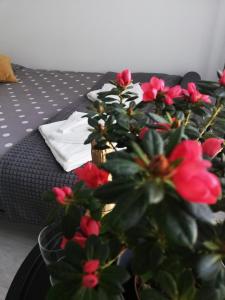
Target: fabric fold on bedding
[134, 88]
[68, 148]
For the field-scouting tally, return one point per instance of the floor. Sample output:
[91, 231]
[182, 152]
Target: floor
[16, 241]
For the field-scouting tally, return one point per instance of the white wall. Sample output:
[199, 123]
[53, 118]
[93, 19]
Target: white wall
[98, 35]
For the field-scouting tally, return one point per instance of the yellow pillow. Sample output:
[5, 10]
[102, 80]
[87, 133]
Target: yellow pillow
[6, 71]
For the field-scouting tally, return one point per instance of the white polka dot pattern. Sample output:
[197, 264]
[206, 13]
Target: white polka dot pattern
[36, 98]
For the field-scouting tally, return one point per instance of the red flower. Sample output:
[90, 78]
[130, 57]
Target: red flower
[91, 266]
[80, 239]
[90, 281]
[191, 177]
[92, 175]
[156, 88]
[222, 78]
[68, 191]
[194, 95]
[89, 226]
[172, 93]
[152, 88]
[123, 79]
[62, 194]
[212, 146]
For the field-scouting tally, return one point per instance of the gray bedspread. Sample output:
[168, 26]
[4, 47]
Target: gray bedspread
[38, 96]
[28, 169]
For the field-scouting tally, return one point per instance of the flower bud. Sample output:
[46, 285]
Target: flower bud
[123, 79]
[60, 195]
[89, 226]
[90, 281]
[91, 266]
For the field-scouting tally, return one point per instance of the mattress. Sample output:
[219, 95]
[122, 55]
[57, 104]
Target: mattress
[38, 96]
[29, 169]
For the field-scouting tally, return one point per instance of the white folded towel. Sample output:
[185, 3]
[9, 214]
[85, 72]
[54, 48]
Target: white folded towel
[72, 136]
[134, 88]
[68, 149]
[70, 122]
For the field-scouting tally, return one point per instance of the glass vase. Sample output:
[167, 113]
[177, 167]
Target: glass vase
[49, 241]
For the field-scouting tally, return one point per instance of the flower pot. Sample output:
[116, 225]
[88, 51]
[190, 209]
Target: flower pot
[99, 156]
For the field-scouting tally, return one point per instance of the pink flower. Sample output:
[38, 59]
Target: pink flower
[152, 88]
[68, 191]
[62, 194]
[90, 281]
[172, 93]
[80, 239]
[191, 177]
[156, 89]
[89, 226]
[92, 175]
[222, 79]
[59, 195]
[194, 95]
[212, 146]
[91, 266]
[123, 79]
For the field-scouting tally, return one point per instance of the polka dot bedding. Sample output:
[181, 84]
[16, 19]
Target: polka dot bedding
[38, 96]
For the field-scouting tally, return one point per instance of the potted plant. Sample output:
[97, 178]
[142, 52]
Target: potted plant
[164, 179]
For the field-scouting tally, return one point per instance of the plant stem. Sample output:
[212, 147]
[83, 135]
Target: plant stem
[111, 261]
[188, 115]
[211, 120]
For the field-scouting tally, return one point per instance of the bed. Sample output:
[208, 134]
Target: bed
[27, 167]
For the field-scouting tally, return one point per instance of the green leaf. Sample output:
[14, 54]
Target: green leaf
[209, 266]
[85, 294]
[150, 261]
[115, 274]
[122, 167]
[154, 192]
[137, 149]
[186, 285]
[114, 190]
[192, 132]
[174, 138]
[152, 294]
[60, 291]
[157, 118]
[128, 211]
[74, 254]
[63, 271]
[181, 228]
[153, 143]
[167, 284]
[93, 122]
[209, 293]
[201, 212]
[71, 221]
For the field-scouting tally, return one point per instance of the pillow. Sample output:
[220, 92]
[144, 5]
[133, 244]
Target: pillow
[6, 71]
